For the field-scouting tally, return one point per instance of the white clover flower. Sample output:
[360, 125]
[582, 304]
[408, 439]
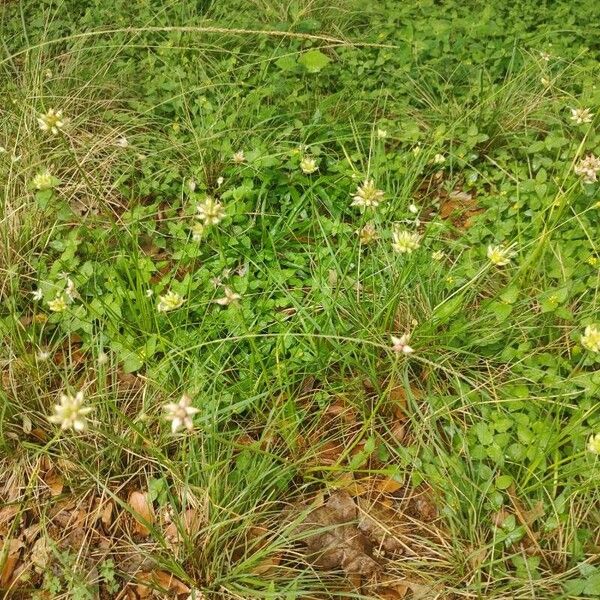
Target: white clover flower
[122, 142]
[438, 159]
[400, 344]
[438, 255]
[590, 339]
[210, 211]
[229, 297]
[587, 168]
[70, 289]
[198, 230]
[381, 134]
[42, 356]
[70, 413]
[581, 115]
[149, 293]
[367, 195]
[169, 301]
[44, 180]
[239, 157]
[405, 241]
[413, 208]
[180, 414]
[593, 445]
[191, 185]
[499, 255]
[545, 56]
[52, 121]
[37, 294]
[102, 358]
[58, 304]
[308, 165]
[220, 181]
[367, 234]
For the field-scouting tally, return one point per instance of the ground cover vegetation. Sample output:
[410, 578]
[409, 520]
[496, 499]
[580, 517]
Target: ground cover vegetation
[299, 299]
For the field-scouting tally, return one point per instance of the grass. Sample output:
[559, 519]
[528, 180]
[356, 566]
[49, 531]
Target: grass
[322, 463]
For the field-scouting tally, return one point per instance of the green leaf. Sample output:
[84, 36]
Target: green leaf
[314, 60]
[446, 309]
[484, 435]
[287, 63]
[504, 482]
[131, 362]
[510, 294]
[592, 585]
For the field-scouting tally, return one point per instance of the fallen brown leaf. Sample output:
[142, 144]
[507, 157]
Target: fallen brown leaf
[143, 512]
[334, 540]
[387, 485]
[54, 481]
[267, 564]
[11, 550]
[162, 580]
[189, 524]
[7, 515]
[106, 515]
[393, 592]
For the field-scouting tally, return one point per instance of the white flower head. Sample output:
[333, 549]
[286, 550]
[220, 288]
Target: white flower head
[37, 294]
[149, 293]
[44, 180]
[400, 344]
[499, 255]
[122, 142]
[308, 165]
[70, 289]
[180, 414]
[581, 115]
[42, 356]
[169, 301]
[590, 339]
[229, 297]
[239, 157]
[102, 358]
[52, 121]
[381, 134]
[198, 230]
[58, 303]
[191, 185]
[439, 159]
[404, 241]
[545, 56]
[593, 445]
[588, 168]
[210, 211]
[413, 208]
[70, 413]
[220, 181]
[367, 234]
[367, 195]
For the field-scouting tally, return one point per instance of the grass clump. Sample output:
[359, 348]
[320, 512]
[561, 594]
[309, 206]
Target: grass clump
[299, 300]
